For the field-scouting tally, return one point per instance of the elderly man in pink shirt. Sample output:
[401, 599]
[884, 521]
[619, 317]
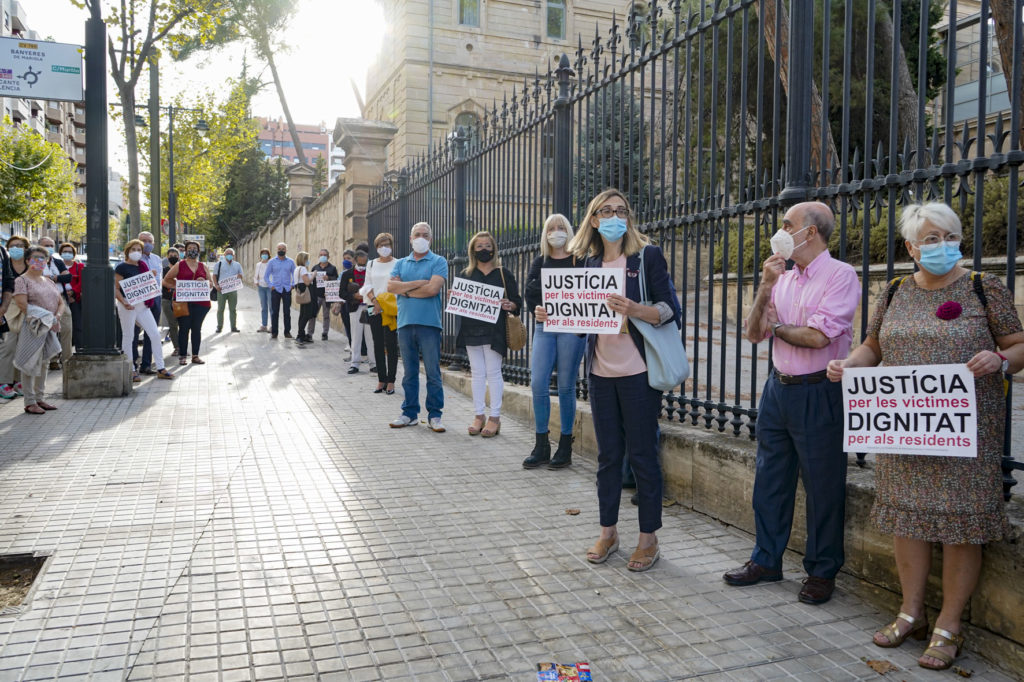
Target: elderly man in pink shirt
[809, 312]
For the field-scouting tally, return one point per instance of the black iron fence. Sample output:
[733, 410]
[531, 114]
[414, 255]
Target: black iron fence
[714, 115]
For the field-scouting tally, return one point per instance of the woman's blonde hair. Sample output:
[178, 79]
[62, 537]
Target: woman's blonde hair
[382, 237]
[472, 253]
[552, 220]
[129, 245]
[587, 241]
[302, 258]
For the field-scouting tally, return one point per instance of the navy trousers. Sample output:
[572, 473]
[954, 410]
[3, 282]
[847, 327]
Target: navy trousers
[625, 411]
[800, 429]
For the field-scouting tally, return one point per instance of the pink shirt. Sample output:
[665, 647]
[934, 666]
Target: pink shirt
[823, 296]
[615, 355]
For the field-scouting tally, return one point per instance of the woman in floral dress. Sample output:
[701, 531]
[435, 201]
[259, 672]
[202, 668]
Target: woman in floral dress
[942, 314]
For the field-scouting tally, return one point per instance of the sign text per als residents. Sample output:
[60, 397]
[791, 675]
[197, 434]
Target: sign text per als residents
[477, 300]
[141, 288]
[912, 410]
[192, 290]
[575, 299]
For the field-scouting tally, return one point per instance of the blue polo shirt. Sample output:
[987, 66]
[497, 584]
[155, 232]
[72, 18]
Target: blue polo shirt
[424, 311]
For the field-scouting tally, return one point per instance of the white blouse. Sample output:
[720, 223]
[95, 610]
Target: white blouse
[377, 276]
[297, 275]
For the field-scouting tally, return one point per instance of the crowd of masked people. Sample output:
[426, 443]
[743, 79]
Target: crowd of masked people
[805, 302]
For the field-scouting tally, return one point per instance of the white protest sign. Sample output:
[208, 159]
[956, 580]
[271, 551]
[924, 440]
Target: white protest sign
[574, 299]
[40, 70]
[332, 290]
[140, 288]
[912, 410]
[475, 300]
[229, 284]
[321, 279]
[192, 290]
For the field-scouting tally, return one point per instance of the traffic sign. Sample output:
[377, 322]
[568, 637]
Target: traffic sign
[41, 70]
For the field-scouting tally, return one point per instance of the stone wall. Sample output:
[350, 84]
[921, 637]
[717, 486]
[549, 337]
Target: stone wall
[713, 474]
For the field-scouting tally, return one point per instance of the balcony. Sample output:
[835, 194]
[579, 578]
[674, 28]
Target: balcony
[78, 137]
[53, 137]
[54, 114]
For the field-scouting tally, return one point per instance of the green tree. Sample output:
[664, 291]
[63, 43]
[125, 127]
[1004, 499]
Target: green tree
[37, 180]
[257, 191]
[202, 160]
[141, 27]
[319, 176]
[262, 23]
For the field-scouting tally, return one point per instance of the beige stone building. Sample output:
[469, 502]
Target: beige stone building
[444, 61]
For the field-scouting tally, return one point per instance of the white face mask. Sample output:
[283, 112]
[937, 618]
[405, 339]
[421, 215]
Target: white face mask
[135, 255]
[783, 244]
[384, 251]
[420, 245]
[557, 239]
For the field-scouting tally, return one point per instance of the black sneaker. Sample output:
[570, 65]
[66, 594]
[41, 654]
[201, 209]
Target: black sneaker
[287, 335]
[353, 370]
[323, 337]
[273, 336]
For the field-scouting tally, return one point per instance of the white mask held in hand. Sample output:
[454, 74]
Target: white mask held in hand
[557, 239]
[420, 245]
[783, 244]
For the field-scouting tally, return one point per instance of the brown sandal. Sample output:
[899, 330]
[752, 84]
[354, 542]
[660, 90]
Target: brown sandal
[602, 549]
[487, 432]
[477, 425]
[34, 409]
[46, 406]
[197, 361]
[891, 632]
[942, 638]
[645, 557]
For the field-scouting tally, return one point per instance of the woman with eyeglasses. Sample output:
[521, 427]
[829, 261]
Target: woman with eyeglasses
[131, 314]
[10, 378]
[41, 303]
[625, 408]
[942, 314]
[552, 350]
[190, 325]
[486, 342]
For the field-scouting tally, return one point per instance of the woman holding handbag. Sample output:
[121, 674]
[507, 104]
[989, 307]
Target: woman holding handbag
[487, 343]
[301, 281]
[624, 404]
[191, 314]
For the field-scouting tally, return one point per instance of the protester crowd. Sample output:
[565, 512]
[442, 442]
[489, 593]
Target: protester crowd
[805, 302]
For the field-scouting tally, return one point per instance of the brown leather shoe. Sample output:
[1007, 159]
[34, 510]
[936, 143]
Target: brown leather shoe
[751, 574]
[817, 590]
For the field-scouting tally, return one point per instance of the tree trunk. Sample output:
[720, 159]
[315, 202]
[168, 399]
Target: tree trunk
[132, 144]
[268, 53]
[906, 103]
[818, 159]
[1002, 13]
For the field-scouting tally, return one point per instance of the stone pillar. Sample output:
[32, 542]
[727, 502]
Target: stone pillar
[365, 144]
[300, 183]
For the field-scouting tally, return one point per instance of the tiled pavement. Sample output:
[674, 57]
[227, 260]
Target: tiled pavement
[256, 520]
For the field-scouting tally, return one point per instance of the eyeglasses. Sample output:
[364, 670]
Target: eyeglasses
[608, 212]
[933, 239]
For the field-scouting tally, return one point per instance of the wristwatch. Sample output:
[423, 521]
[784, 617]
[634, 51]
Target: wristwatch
[775, 327]
[1005, 367]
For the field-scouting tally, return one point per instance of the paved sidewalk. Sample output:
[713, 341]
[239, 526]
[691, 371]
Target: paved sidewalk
[256, 520]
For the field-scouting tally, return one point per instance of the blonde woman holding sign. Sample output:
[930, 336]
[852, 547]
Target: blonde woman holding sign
[192, 324]
[552, 350]
[131, 314]
[942, 314]
[624, 405]
[486, 342]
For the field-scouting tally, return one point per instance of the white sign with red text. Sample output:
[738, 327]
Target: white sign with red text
[574, 299]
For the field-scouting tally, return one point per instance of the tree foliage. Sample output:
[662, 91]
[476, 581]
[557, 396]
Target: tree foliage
[257, 191]
[37, 180]
[319, 176]
[202, 160]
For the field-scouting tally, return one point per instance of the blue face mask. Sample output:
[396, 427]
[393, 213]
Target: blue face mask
[346, 264]
[323, 259]
[264, 256]
[229, 258]
[17, 252]
[939, 259]
[612, 228]
[49, 250]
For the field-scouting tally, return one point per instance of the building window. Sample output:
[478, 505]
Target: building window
[469, 12]
[556, 19]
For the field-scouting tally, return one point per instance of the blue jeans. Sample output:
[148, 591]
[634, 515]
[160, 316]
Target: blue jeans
[625, 411]
[264, 304]
[416, 340]
[555, 350]
[800, 428]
